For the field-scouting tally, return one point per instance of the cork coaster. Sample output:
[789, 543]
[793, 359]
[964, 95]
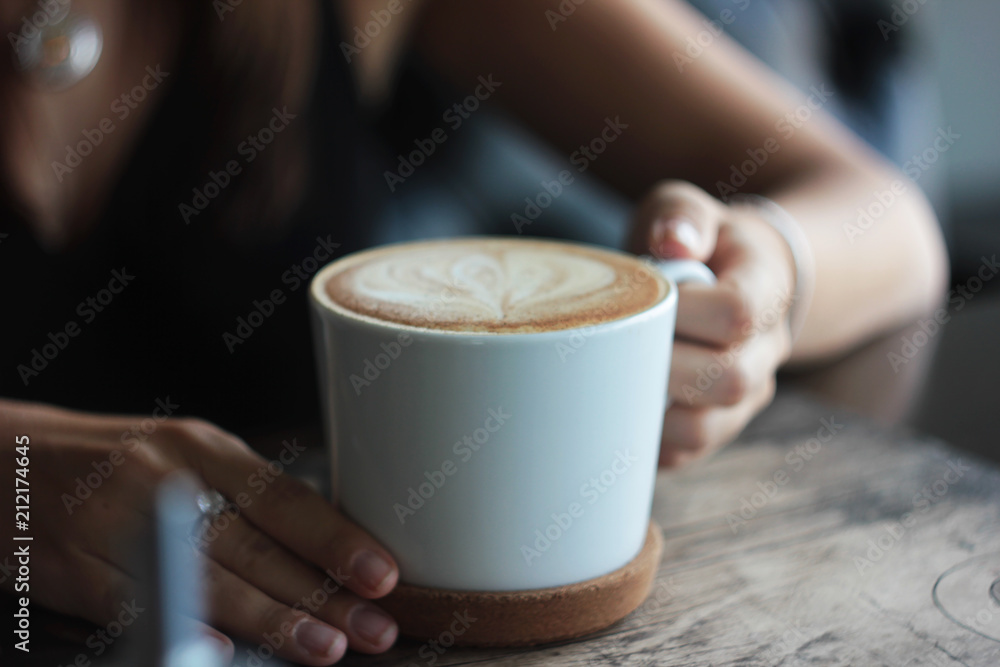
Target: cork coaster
[523, 618]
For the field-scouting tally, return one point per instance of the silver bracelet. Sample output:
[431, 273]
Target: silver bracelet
[805, 268]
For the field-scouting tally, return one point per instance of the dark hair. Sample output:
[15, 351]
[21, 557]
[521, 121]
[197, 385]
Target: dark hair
[258, 64]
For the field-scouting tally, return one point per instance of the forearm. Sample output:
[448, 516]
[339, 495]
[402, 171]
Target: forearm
[701, 120]
[618, 59]
[879, 258]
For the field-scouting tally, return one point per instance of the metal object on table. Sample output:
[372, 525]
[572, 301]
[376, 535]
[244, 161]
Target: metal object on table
[169, 562]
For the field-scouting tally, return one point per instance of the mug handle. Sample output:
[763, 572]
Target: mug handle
[684, 270]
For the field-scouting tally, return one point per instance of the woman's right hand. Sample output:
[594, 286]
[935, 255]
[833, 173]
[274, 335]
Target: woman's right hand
[289, 569]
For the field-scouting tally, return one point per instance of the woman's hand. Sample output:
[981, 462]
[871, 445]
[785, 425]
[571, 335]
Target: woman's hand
[288, 569]
[731, 337]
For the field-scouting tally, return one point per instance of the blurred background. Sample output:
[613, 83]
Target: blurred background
[903, 72]
[960, 401]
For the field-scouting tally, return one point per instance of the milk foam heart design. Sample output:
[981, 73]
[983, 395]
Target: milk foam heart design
[482, 278]
[495, 285]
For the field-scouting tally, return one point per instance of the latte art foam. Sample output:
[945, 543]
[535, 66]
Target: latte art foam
[494, 285]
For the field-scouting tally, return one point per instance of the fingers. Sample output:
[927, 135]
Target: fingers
[702, 376]
[263, 563]
[731, 339]
[753, 293]
[292, 513]
[718, 315]
[242, 610]
[96, 588]
[103, 594]
[754, 259]
[677, 220]
[690, 433]
[224, 644]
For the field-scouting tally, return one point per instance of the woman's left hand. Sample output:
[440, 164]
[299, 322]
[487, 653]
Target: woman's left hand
[732, 337]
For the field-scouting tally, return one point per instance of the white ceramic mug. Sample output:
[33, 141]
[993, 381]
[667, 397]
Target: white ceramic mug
[497, 462]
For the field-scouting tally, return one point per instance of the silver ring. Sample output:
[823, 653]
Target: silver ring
[211, 504]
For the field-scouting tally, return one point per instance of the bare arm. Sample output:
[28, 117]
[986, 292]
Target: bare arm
[694, 120]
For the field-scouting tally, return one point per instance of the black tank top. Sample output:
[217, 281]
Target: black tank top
[148, 308]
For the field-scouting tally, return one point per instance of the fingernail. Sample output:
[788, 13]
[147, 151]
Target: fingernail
[658, 232]
[223, 646]
[318, 640]
[372, 624]
[371, 569]
[673, 237]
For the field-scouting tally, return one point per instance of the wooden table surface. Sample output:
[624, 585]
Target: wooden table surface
[868, 548]
[872, 548]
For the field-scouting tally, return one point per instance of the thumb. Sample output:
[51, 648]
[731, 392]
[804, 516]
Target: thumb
[677, 220]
